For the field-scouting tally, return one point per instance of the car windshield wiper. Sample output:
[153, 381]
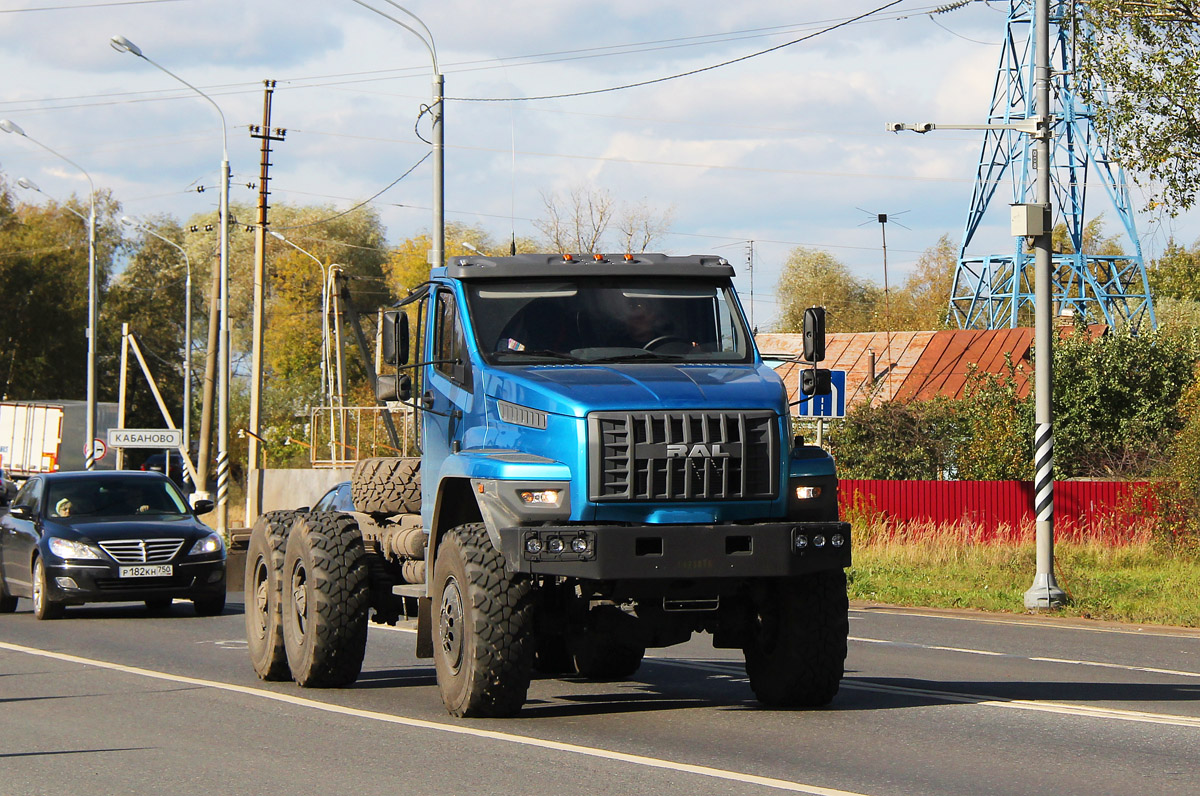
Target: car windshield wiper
[546, 353]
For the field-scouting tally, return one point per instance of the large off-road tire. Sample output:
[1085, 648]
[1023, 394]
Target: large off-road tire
[43, 606]
[326, 600]
[603, 656]
[796, 653]
[483, 627]
[264, 594]
[387, 485]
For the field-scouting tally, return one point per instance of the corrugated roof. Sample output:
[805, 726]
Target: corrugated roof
[913, 365]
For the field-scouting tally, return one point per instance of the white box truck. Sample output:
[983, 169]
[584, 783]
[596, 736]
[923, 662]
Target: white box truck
[47, 436]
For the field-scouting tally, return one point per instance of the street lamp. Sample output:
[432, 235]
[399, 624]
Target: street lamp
[187, 327]
[89, 461]
[437, 112]
[122, 44]
[327, 389]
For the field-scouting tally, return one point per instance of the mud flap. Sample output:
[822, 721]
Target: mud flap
[424, 627]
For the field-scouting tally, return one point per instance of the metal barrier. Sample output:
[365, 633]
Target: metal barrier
[341, 435]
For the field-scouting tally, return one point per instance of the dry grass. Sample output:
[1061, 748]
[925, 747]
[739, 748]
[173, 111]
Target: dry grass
[1114, 573]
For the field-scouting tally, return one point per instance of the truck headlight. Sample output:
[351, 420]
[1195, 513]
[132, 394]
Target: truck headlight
[808, 492]
[68, 548]
[542, 497]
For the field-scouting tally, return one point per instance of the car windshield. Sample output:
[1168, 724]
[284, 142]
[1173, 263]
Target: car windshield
[113, 497]
[590, 320]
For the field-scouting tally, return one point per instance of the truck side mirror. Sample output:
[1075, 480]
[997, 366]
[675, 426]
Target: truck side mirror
[394, 388]
[816, 381]
[814, 334]
[395, 337]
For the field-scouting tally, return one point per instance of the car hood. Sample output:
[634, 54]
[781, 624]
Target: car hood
[577, 390]
[134, 527]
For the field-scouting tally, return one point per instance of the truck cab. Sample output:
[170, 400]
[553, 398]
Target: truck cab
[607, 465]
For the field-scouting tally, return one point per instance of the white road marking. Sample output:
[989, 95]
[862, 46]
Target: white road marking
[1096, 664]
[587, 751]
[733, 670]
[1034, 622]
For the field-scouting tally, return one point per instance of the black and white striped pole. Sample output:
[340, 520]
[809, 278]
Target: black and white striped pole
[1044, 593]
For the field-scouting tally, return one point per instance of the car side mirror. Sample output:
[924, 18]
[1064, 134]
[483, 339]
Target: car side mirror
[203, 506]
[21, 512]
[395, 337]
[814, 334]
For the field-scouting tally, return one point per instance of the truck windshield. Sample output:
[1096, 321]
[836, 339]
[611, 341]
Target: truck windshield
[607, 319]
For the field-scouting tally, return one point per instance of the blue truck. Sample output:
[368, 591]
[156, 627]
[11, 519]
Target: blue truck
[607, 466]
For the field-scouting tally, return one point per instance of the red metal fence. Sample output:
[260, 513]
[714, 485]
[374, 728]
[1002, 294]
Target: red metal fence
[1102, 510]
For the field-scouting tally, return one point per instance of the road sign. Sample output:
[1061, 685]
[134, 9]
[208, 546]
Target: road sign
[145, 437]
[98, 450]
[832, 405]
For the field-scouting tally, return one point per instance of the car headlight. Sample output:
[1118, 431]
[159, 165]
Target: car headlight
[209, 544]
[68, 548]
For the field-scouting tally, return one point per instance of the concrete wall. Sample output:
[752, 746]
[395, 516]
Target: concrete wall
[290, 489]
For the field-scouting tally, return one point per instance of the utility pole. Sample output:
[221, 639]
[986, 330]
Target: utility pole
[1045, 591]
[750, 271]
[266, 135]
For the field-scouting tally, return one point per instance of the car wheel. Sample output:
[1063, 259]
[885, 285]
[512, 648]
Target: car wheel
[8, 602]
[43, 606]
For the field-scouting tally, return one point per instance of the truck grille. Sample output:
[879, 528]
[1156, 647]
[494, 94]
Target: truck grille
[142, 551]
[683, 455]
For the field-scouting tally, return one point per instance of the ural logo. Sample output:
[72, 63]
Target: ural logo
[682, 450]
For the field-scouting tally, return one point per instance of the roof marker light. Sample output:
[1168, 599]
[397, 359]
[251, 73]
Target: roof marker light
[597, 257]
[568, 258]
[628, 258]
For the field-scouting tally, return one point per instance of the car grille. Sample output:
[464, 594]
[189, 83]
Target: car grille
[676, 455]
[142, 551]
[144, 584]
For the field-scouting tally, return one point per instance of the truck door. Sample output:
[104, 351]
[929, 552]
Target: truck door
[448, 389]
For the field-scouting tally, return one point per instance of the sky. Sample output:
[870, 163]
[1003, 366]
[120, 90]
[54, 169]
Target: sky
[786, 149]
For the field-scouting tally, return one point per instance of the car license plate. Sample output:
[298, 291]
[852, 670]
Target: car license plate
[146, 571]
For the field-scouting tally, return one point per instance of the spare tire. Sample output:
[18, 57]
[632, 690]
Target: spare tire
[387, 485]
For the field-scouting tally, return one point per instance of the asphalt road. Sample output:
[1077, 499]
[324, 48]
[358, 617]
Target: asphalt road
[113, 701]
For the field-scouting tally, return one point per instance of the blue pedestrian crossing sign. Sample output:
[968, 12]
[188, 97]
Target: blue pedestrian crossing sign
[832, 405]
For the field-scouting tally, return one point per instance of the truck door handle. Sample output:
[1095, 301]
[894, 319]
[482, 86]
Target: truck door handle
[427, 399]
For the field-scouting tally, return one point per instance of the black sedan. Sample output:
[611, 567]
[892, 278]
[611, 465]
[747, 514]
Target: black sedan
[72, 538]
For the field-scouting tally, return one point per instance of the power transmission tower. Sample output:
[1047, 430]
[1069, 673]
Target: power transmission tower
[996, 291]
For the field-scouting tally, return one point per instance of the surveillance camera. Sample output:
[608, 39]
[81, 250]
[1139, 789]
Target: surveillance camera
[895, 127]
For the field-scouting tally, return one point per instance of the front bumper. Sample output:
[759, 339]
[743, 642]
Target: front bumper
[623, 552]
[77, 583]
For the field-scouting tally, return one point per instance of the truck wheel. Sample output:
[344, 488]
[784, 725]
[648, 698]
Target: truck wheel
[326, 599]
[483, 638]
[796, 653]
[264, 589]
[43, 606]
[602, 656]
[387, 485]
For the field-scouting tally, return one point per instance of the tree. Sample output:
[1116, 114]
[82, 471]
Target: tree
[812, 278]
[923, 301]
[44, 295]
[1146, 56]
[581, 223]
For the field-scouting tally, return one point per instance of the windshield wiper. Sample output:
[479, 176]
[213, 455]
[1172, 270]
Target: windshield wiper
[555, 355]
[633, 357]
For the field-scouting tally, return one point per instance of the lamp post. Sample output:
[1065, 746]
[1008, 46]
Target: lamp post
[122, 44]
[187, 327]
[89, 461]
[437, 111]
[326, 377]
